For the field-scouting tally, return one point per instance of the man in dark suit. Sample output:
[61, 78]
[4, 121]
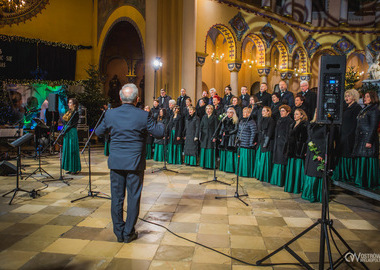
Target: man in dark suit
[128, 127]
[244, 97]
[163, 100]
[286, 96]
[310, 99]
[264, 96]
[181, 100]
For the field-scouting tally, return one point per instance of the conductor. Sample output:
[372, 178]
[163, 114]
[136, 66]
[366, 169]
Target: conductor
[128, 127]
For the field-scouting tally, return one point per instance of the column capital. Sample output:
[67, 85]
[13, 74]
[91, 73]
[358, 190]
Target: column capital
[263, 71]
[201, 58]
[305, 76]
[234, 65]
[286, 74]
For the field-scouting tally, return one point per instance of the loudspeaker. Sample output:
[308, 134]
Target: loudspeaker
[7, 168]
[332, 71]
[53, 102]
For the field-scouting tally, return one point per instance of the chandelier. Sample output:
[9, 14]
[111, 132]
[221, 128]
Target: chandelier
[217, 58]
[250, 62]
[16, 11]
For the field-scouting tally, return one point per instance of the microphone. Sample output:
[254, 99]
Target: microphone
[224, 118]
[258, 102]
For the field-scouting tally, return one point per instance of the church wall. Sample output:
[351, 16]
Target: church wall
[68, 21]
[210, 13]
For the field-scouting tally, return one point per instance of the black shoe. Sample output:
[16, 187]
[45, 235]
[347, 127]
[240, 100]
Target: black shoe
[120, 239]
[131, 238]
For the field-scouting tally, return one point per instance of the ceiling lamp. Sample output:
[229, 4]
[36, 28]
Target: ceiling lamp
[16, 11]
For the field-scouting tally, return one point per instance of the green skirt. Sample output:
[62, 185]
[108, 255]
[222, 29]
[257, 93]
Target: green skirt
[158, 152]
[278, 175]
[174, 150]
[107, 148]
[344, 170]
[247, 159]
[206, 158]
[191, 160]
[227, 161]
[148, 148]
[264, 166]
[295, 175]
[367, 173]
[312, 189]
[70, 151]
[256, 166]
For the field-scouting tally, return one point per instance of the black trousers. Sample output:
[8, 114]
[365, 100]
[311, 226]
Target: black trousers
[132, 181]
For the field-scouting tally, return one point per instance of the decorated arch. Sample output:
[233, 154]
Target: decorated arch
[229, 37]
[259, 45]
[300, 54]
[283, 55]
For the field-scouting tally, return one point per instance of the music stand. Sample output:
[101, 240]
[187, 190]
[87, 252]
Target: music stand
[91, 193]
[40, 124]
[17, 143]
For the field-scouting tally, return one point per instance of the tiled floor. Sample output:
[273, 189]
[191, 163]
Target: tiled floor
[50, 232]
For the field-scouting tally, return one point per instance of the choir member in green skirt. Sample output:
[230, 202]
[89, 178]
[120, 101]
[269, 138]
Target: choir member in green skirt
[175, 130]
[149, 139]
[344, 170]
[227, 135]
[207, 128]
[296, 151]
[256, 114]
[366, 148]
[247, 133]
[263, 161]
[70, 147]
[312, 187]
[191, 137]
[160, 148]
[281, 135]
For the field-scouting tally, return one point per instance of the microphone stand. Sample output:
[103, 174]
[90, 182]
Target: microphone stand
[164, 168]
[238, 146]
[215, 179]
[91, 193]
[61, 177]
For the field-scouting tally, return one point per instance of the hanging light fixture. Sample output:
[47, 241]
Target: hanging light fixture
[215, 57]
[9, 6]
[17, 11]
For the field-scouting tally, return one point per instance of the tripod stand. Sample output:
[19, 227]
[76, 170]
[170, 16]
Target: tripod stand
[237, 147]
[215, 179]
[18, 143]
[38, 149]
[91, 193]
[326, 226]
[164, 168]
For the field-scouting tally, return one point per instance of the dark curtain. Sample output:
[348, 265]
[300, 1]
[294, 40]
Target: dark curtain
[55, 63]
[58, 62]
[23, 59]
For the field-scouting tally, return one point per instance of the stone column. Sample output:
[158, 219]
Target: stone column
[288, 8]
[201, 59]
[286, 75]
[309, 10]
[265, 4]
[305, 77]
[234, 67]
[343, 18]
[150, 50]
[263, 73]
[188, 47]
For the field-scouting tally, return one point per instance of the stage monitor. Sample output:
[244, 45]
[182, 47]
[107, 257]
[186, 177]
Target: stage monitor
[53, 102]
[332, 71]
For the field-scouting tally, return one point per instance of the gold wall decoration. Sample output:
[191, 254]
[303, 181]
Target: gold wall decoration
[17, 11]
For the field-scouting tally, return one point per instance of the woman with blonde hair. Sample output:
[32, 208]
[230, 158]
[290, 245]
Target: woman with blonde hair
[175, 131]
[295, 152]
[227, 134]
[263, 162]
[191, 133]
[207, 129]
[70, 147]
[344, 170]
